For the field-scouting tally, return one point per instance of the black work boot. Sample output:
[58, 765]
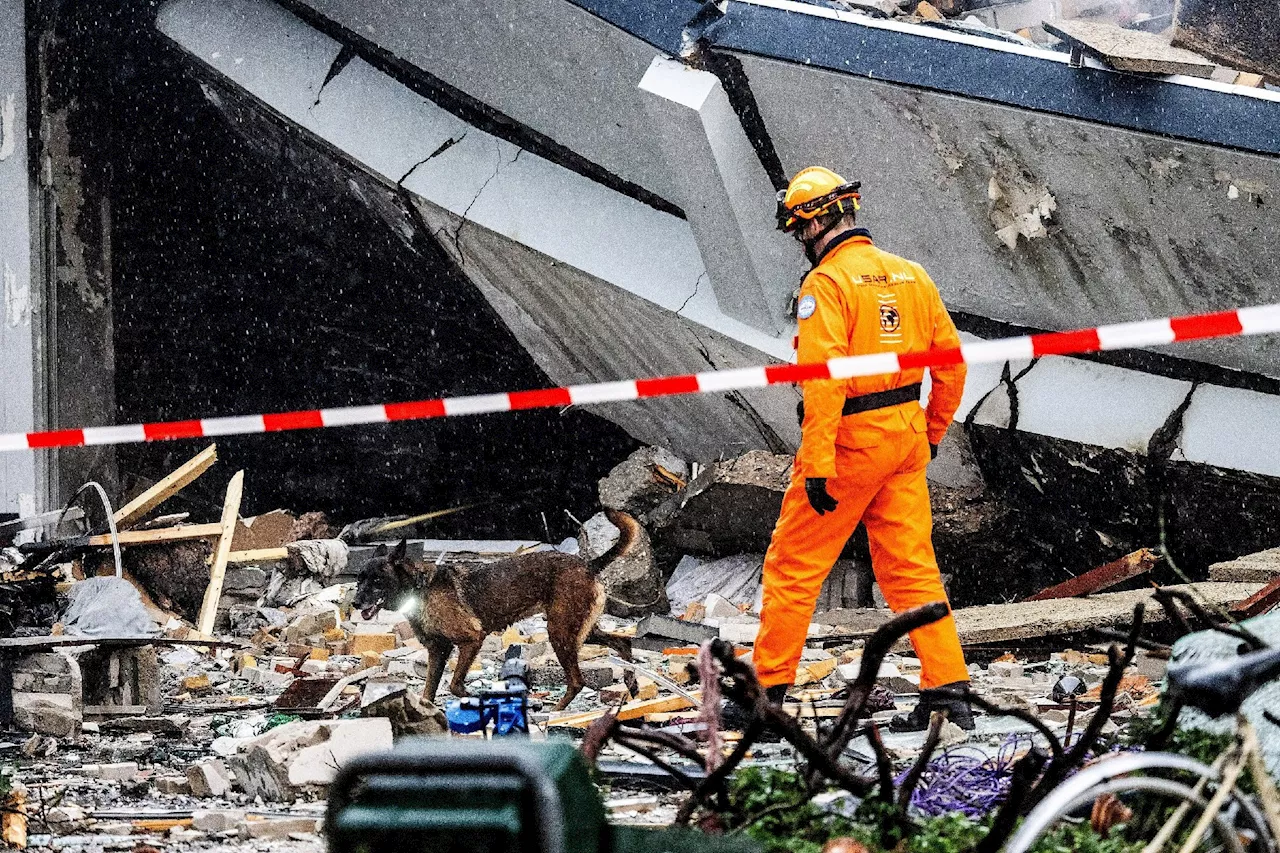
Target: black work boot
[735, 718]
[942, 698]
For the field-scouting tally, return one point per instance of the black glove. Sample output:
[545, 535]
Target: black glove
[816, 489]
[933, 451]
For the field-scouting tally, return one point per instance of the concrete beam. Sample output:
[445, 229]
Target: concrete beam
[546, 64]
[724, 191]
[1113, 407]
[429, 152]
[17, 350]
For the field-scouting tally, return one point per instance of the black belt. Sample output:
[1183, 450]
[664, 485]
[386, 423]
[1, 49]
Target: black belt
[873, 401]
[881, 399]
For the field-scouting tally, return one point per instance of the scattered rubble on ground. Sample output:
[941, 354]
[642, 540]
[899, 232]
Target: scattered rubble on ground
[130, 726]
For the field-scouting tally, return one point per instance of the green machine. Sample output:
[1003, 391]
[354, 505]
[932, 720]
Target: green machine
[511, 795]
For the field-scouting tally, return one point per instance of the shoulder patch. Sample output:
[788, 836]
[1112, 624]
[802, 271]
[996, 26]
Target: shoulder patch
[806, 307]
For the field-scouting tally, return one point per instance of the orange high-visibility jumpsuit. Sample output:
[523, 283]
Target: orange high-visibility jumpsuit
[861, 300]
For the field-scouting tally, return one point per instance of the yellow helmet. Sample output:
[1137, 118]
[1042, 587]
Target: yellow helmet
[813, 192]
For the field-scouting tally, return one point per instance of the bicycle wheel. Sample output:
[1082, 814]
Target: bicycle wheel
[1239, 818]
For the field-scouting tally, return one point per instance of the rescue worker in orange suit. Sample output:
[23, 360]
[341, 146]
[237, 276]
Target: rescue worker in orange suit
[865, 444]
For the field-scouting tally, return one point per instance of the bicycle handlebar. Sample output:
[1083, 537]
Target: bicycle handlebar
[1221, 686]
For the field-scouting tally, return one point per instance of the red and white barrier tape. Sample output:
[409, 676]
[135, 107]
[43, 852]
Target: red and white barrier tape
[1245, 321]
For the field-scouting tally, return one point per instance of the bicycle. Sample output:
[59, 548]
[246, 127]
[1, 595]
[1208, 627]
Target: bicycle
[1147, 784]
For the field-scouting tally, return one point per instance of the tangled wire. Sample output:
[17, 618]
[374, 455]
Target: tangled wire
[967, 780]
[1010, 784]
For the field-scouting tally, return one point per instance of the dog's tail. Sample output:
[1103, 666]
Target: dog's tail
[629, 531]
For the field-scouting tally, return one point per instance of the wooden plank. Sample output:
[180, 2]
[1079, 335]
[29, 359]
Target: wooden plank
[26, 645]
[629, 711]
[230, 512]
[1129, 50]
[814, 671]
[176, 481]
[1242, 34]
[259, 555]
[160, 824]
[152, 537]
[1095, 580]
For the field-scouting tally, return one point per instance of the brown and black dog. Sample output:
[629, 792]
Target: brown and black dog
[460, 607]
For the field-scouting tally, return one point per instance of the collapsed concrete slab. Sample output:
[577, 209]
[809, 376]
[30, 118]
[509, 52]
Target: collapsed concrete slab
[997, 623]
[300, 758]
[48, 690]
[642, 481]
[1111, 459]
[1262, 567]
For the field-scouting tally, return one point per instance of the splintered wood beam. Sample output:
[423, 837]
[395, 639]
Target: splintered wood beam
[259, 555]
[151, 537]
[230, 513]
[174, 482]
[629, 711]
[1129, 566]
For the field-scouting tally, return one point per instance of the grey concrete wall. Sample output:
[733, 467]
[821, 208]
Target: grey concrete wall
[579, 328]
[1036, 219]
[17, 353]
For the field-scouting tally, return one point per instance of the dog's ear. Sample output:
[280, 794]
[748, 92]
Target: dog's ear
[380, 551]
[401, 551]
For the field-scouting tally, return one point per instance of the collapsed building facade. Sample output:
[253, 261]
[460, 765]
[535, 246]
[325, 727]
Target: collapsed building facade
[248, 206]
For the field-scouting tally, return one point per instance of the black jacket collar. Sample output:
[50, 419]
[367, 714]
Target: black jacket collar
[840, 238]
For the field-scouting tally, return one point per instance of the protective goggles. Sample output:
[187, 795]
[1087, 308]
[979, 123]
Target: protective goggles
[789, 218]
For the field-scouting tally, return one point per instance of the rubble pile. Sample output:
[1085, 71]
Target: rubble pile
[138, 727]
[1146, 36]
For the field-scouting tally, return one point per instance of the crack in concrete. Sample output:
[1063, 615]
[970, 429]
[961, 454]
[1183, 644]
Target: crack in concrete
[696, 285]
[1164, 441]
[703, 349]
[1008, 381]
[771, 438]
[1160, 448]
[443, 147]
[982, 401]
[345, 54]
[462, 220]
[1012, 384]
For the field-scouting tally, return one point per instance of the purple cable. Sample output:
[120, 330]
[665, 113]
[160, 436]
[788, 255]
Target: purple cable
[970, 781]
[967, 780]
